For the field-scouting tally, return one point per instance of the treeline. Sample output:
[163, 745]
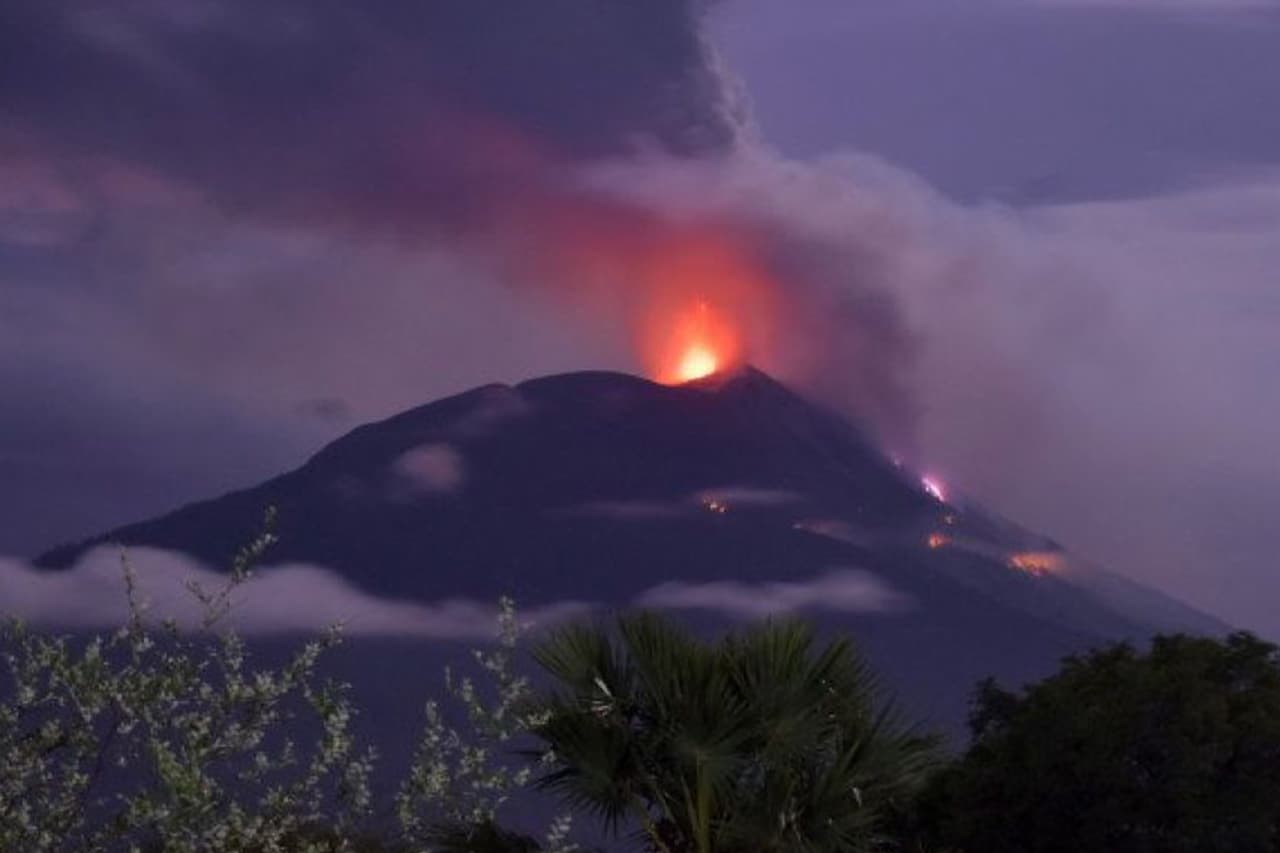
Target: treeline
[155, 738]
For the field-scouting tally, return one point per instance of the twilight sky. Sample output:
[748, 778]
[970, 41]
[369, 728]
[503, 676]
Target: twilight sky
[1037, 240]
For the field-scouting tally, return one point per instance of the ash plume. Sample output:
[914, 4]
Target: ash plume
[472, 127]
[417, 113]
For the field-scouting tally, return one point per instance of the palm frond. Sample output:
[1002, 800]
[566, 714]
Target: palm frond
[763, 741]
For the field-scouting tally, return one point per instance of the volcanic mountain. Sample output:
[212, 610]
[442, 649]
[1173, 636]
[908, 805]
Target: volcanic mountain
[725, 498]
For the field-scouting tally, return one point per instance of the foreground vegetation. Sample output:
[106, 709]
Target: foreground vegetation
[763, 741]
[155, 738]
[1177, 750]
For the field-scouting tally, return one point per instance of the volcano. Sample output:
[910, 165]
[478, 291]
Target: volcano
[725, 498]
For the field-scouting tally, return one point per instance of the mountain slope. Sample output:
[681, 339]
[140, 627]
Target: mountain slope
[554, 470]
[720, 497]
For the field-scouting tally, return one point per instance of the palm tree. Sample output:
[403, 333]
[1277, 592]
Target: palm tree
[760, 742]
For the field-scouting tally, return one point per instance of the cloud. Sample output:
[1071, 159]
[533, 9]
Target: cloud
[843, 591]
[839, 530]
[431, 469]
[277, 600]
[1167, 5]
[38, 208]
[1135, 426]
[289, 599]
[436, 102]
[497, 405]
[1041, 102]
[749, 496]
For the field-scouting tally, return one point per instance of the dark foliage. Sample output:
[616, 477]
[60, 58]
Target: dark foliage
[1172, 751]
[763, 741]
[484, 837]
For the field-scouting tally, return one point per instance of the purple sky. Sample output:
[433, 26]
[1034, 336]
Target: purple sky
[227, 236]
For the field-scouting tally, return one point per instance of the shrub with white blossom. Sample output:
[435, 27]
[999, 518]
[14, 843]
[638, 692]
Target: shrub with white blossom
[156, 738]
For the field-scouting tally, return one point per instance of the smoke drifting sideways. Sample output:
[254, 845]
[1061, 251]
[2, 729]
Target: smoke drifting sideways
[530, 137]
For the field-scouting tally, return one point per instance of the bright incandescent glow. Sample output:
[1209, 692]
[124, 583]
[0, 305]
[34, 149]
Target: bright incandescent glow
[706, 303]
[1036, 562]
[699, 342]
[698, 361]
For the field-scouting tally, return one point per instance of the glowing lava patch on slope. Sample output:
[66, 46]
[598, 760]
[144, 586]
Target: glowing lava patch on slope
[1037, 563]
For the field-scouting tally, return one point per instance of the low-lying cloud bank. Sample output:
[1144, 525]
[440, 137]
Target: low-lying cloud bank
[842, 590]
[277, 600]
[302, 598]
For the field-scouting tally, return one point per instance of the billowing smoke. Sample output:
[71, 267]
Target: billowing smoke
[482, 127]
[401, 115]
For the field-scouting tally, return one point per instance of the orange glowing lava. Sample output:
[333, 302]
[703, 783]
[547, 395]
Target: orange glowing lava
[697, 362]
[1036, 562]
[698, 343]
[708, 299]
[695, 297]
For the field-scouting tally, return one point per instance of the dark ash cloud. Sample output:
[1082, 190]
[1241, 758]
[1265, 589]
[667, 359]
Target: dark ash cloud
[395, 111]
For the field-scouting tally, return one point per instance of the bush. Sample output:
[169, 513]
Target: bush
[150, 737]
[1173, 751]
[153, 738]
[763, 741]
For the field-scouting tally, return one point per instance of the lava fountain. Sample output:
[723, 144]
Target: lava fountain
[699, 344]
[698, 361]
[710, 304]
[695, 296]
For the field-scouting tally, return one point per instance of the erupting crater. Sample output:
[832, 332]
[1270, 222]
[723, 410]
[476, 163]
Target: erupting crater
[698, 344]
[698, 361]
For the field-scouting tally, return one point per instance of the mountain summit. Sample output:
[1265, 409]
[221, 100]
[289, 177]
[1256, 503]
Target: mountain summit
[580, 483]
[728, 497]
